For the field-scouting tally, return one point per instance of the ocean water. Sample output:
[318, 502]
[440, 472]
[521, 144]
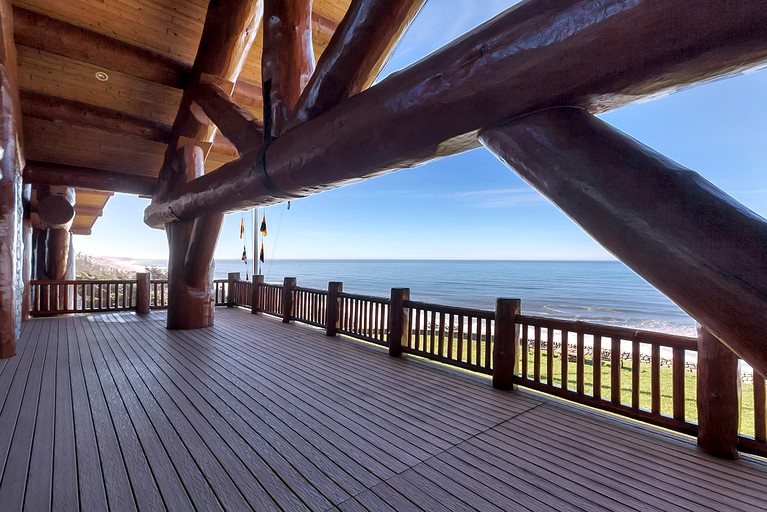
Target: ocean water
[602, 292]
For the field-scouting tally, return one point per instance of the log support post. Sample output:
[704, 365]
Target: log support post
[399, 320]
[28, 252]
[287, 298]
[142, 292]
[11, 208]
[255, 303]
[333, 317]
[231, 293]
[506, 343]
[718, 397]
[689, 239]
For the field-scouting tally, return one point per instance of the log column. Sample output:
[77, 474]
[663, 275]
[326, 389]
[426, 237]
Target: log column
[28, 251]
[689, 239]
[718, 397]
[11, 209]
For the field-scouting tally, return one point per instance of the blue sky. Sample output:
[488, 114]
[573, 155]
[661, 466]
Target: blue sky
[470, 206]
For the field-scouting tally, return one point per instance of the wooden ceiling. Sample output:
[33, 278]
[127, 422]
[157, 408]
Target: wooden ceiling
[73, 117]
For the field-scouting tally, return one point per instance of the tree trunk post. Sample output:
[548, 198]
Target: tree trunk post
[231, 296]
[399, 320]
[506, 343]
[142, 292]
[287, 298]
[333, 317]
[254, 302]
[718, 397]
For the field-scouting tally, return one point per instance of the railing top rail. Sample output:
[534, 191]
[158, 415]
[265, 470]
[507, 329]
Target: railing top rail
[451, 310]
[82, 281]
[370, 298]
[669, 340]
[310, 290]
[271, 285]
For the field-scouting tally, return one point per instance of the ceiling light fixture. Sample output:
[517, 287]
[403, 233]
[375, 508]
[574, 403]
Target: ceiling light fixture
[100, 75]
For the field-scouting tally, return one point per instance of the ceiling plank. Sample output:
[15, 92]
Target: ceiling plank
[55, 36]
[357, 53]
[40, 173]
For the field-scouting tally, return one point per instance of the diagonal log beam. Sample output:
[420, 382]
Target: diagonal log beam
[44, 173]
[358, 51]
[287, 61]
[233, 121]
[600, 54]
[689, 239]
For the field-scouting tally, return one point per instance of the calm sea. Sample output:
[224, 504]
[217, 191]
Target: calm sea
[600, 292]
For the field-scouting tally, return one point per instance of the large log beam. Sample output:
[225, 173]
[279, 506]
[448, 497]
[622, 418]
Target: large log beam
[287, 61]
[233, 121]
[11, 205]
[600, 54]
[689, 239]
[356, 54]
[55, 206]
[44, 173]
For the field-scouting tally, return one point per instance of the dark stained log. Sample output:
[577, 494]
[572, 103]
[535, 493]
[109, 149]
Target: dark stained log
[358, 51]
[506, 344]
[399, 321]
[66, 111]
[598, 54]
[287, 298]
[61, 38]
[11, 206]
[693, 242]
[39, 236]
[202, 245]
[57, 243]
[28, 250]
[143, 286]
[88, 211]
[233, 121]
[82, 177]
[333, 309]
[322, 24]
[222, 146]
[249, 94]
[231, 296]
[255, 304]
[287, 60]
[718, 397]
[55, 206]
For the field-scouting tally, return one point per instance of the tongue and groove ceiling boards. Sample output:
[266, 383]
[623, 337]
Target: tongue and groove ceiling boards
[101, 83]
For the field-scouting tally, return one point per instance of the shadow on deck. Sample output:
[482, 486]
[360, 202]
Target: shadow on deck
[115, 412]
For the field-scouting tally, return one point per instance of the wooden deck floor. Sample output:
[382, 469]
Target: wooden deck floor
[114, 412]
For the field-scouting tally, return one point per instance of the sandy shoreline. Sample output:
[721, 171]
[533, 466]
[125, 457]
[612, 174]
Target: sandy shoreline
[120, 263]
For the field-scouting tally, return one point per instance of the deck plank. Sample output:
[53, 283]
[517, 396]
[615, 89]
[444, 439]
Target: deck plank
[114, 412]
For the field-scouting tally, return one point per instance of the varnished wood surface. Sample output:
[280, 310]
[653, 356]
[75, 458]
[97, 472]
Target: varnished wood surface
[112, 411]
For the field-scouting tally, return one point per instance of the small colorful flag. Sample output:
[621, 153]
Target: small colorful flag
[242, 228]
[244, 254]
[263, 226]
[261, 255]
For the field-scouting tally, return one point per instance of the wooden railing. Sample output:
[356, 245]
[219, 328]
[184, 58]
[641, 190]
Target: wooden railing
[363, 317]
[640, 374]
[456, 336]
[647, 376]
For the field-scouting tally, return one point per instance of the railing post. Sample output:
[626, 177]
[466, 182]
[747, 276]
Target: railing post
[399, 320]
[332, 314]
[254, 304]
[506, 343]
[231, 296]
[142, 292]
[718, 397]
[287, 298]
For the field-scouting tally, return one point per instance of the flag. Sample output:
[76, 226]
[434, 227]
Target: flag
[244, 254]
[263, 226]
[261, 255]
[242, 228]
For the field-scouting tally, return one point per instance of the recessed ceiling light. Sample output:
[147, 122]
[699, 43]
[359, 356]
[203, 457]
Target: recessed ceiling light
[100, 75]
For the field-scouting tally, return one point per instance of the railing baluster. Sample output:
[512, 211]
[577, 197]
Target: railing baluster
[563, 363]
[460, 337]
[655, 379]
[635, 373]
[537, 354]
[678, 383]
[615, 370]
[760, 419]
[549, 356]
[525, 350]
[596, 359]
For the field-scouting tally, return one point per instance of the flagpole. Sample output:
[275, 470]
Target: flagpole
[256, 262]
